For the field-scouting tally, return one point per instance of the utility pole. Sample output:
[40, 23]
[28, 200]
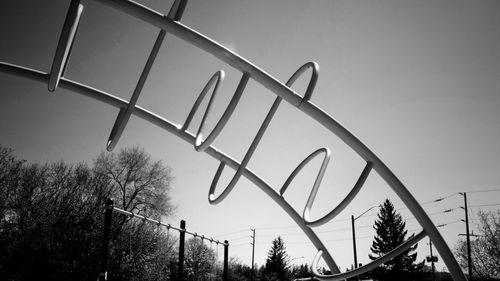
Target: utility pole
[253, 251]
[108, 215]
[469, 258]
[354, 243]
[225, 274]
[182, 235]
[432, 259]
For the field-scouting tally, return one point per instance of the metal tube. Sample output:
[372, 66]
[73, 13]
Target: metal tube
[225, 276]
[65, 43]
[186, 136]
[121, 121]
[108, 213]
[365, 268]
[124, 115]
[181, 250]
[287, 94]
[200, 145]
[354, 243]
[310, 88]
[307, 107]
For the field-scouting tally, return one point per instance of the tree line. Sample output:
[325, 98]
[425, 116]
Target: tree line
[51, 221]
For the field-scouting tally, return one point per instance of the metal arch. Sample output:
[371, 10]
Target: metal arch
[283, 92]
[177, 130]
[226, 55]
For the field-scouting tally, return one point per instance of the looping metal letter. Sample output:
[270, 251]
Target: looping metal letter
[211, 197]
[317, 181]
[312, 83]
[341, 206]
[200, 144]
[217, 78]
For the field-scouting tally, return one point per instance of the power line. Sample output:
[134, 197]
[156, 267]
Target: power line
[367, 225]
[440, 199]
[231, 233]
[347, 228]
[485, 190]
[350, 238]
[432, 201]
[240, 244]
[448, 223]
[485, 205]
[239, 238]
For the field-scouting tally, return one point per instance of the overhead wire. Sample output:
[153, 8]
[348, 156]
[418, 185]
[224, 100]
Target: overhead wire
[365, 216]
[440, 199]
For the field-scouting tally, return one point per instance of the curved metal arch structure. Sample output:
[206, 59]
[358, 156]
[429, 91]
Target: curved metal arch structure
[171, 23]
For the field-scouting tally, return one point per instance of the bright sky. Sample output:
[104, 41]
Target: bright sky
[416, 81]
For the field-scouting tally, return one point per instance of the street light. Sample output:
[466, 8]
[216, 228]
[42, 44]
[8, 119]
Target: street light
[354, 234]
[290, 261]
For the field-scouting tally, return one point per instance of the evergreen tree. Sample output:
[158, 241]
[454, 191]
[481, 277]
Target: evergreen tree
[276, 267]
[390, 233]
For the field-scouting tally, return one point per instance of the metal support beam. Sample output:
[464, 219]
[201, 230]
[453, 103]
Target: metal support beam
[225, 275]
[182, 237]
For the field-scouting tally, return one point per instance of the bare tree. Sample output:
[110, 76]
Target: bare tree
[200, 260]
[485, 249]
[51, 218]
[138, 184]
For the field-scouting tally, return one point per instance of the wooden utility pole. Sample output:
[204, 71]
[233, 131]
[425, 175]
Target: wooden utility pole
[253, 252]
[467, 234]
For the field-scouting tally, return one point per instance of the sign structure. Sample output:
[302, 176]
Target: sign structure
[171, 23]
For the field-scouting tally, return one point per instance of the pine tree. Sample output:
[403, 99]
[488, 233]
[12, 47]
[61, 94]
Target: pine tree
[277, 261]
[390, 233]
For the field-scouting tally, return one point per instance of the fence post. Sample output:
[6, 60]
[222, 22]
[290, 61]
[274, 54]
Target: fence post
[226, 260]
[182, 235]
[108, 213]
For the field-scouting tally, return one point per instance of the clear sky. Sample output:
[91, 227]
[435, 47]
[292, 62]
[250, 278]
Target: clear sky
[416, 81]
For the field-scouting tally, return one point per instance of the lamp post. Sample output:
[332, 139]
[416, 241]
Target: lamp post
[353, 219]
[290, 261]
